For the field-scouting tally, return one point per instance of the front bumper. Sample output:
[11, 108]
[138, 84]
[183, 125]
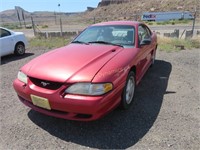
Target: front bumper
[72, 107]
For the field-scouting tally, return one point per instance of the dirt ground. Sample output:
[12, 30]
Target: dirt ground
[165, 114]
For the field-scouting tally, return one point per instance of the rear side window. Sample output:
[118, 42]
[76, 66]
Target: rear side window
[4, 33]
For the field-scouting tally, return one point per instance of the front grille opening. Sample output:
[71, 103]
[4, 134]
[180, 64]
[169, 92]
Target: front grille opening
[83, 116]
[46, 84]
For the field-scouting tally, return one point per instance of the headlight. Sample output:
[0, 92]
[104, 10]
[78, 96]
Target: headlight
[22, 77]
[89, 88]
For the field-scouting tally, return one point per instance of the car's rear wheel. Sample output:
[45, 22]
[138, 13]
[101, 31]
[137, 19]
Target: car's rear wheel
[129, 91]
[19, 49]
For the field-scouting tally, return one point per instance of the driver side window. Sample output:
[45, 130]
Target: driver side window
[143, 33]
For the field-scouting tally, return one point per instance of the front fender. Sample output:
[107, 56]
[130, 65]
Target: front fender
[117, 69]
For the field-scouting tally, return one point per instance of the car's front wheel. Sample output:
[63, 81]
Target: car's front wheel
[129, 91]
[19, 49]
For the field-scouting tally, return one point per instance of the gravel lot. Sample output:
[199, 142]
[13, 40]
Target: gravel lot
[165, 114]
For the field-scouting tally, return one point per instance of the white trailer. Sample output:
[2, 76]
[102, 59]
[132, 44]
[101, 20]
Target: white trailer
[166, 16]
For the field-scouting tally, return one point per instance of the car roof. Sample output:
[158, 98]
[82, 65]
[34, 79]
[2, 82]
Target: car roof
[131, 23]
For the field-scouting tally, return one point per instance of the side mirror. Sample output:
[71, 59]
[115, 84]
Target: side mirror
[145, 42]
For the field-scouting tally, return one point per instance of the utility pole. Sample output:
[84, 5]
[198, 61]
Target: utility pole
[55, 17]
[61, 30]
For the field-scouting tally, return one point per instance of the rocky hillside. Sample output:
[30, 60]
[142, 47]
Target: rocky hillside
[109, 2]
[12, 15]
[108, 10]
[124, 9]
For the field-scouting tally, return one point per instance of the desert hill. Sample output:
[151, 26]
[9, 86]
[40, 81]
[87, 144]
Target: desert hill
[109, 9]
[109, 2]
[125, 8]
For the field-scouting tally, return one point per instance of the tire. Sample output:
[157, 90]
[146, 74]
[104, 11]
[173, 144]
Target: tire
[129, 91]
[153, 57]
[19, 49]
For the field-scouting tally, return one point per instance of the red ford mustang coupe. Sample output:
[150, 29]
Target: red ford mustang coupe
[91, 76]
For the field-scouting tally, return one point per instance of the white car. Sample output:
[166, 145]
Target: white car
[12, 42]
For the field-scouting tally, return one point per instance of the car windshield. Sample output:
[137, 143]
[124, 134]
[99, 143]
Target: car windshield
[120, 35]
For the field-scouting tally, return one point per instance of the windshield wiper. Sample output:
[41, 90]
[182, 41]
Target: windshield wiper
[81, 42]
[104, 42]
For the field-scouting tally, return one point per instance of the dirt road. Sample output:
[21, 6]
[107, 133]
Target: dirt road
[165, 114]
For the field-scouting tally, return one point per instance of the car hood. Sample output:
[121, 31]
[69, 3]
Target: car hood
[73, 63]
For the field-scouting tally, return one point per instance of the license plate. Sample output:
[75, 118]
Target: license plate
[40, 102]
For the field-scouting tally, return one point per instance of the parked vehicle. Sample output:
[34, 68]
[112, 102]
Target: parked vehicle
[12, 42]
[166, 16]
[94, 74]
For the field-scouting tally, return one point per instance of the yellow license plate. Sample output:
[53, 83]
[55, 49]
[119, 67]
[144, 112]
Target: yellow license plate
[40, 102]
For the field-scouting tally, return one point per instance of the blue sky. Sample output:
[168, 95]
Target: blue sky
[49, 5]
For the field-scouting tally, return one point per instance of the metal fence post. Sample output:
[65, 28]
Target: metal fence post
[194, 22]
[61, 30]
[33, 25]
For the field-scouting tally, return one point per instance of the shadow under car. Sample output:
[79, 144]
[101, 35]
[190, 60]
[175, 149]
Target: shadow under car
[119, 129]
[9, 58]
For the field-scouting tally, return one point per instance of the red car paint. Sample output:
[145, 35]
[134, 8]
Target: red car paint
[94, 63]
